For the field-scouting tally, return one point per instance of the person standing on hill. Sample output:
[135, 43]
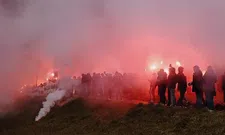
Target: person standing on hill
[223, 86]
[152, 81]
[162, 83]
[209, 81]
[172, 81]
[197, 86]
[182, 85]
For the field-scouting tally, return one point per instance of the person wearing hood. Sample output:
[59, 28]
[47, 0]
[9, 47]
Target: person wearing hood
[197, 86]
[209, 82]
[182, 85]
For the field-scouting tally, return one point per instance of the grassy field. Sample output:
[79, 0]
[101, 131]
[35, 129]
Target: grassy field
[80, 117]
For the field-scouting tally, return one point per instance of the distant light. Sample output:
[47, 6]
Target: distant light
[166, 70]
[203, 72]
[178, 64]
[153, 67]
[161, 62]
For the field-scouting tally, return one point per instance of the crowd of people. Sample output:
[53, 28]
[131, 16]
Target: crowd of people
[119, 86]
[108, 85]
[201, 85]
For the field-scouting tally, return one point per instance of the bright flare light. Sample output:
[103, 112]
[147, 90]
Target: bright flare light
[178, 64]
[166, 70]
[203, 72]
[153, 67]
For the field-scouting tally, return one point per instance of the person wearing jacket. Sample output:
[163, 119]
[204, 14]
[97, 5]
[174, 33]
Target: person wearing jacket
[223, 86]
[196, 84]
[152, 81]
[209, 81]
[162, 83]
[182, 85]
[172, 81]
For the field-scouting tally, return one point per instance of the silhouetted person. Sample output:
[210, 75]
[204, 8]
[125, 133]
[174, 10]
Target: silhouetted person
[197, 83]
[182, 84]
[102, 83]
[209, 81]
[223, 86]
[168, 93]
[172, 81]
[89, 83]
[84, 81]
[162, 83]
[118, 85]
[152, 81]
[109, 85]
[94, 84]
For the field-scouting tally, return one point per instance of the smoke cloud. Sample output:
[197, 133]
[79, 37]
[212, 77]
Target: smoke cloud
[103, 35]
[51, 99]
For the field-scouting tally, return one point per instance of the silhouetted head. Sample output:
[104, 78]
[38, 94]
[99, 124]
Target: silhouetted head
[161, 71]
[196, 68]
[180, 69]
[210, 69]
[172, 70]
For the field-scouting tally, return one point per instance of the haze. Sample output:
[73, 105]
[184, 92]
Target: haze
[78, 36]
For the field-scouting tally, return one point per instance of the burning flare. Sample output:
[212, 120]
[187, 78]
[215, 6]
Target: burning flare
[153, 67]
[166, 70]
[178, 64]
[50, 102]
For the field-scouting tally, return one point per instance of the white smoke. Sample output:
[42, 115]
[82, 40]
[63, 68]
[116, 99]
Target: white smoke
[50, 102]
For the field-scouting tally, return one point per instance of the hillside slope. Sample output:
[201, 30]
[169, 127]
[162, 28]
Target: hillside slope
[113, 118]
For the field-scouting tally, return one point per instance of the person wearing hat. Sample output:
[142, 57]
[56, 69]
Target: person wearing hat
[197, 85]
[182, 85]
